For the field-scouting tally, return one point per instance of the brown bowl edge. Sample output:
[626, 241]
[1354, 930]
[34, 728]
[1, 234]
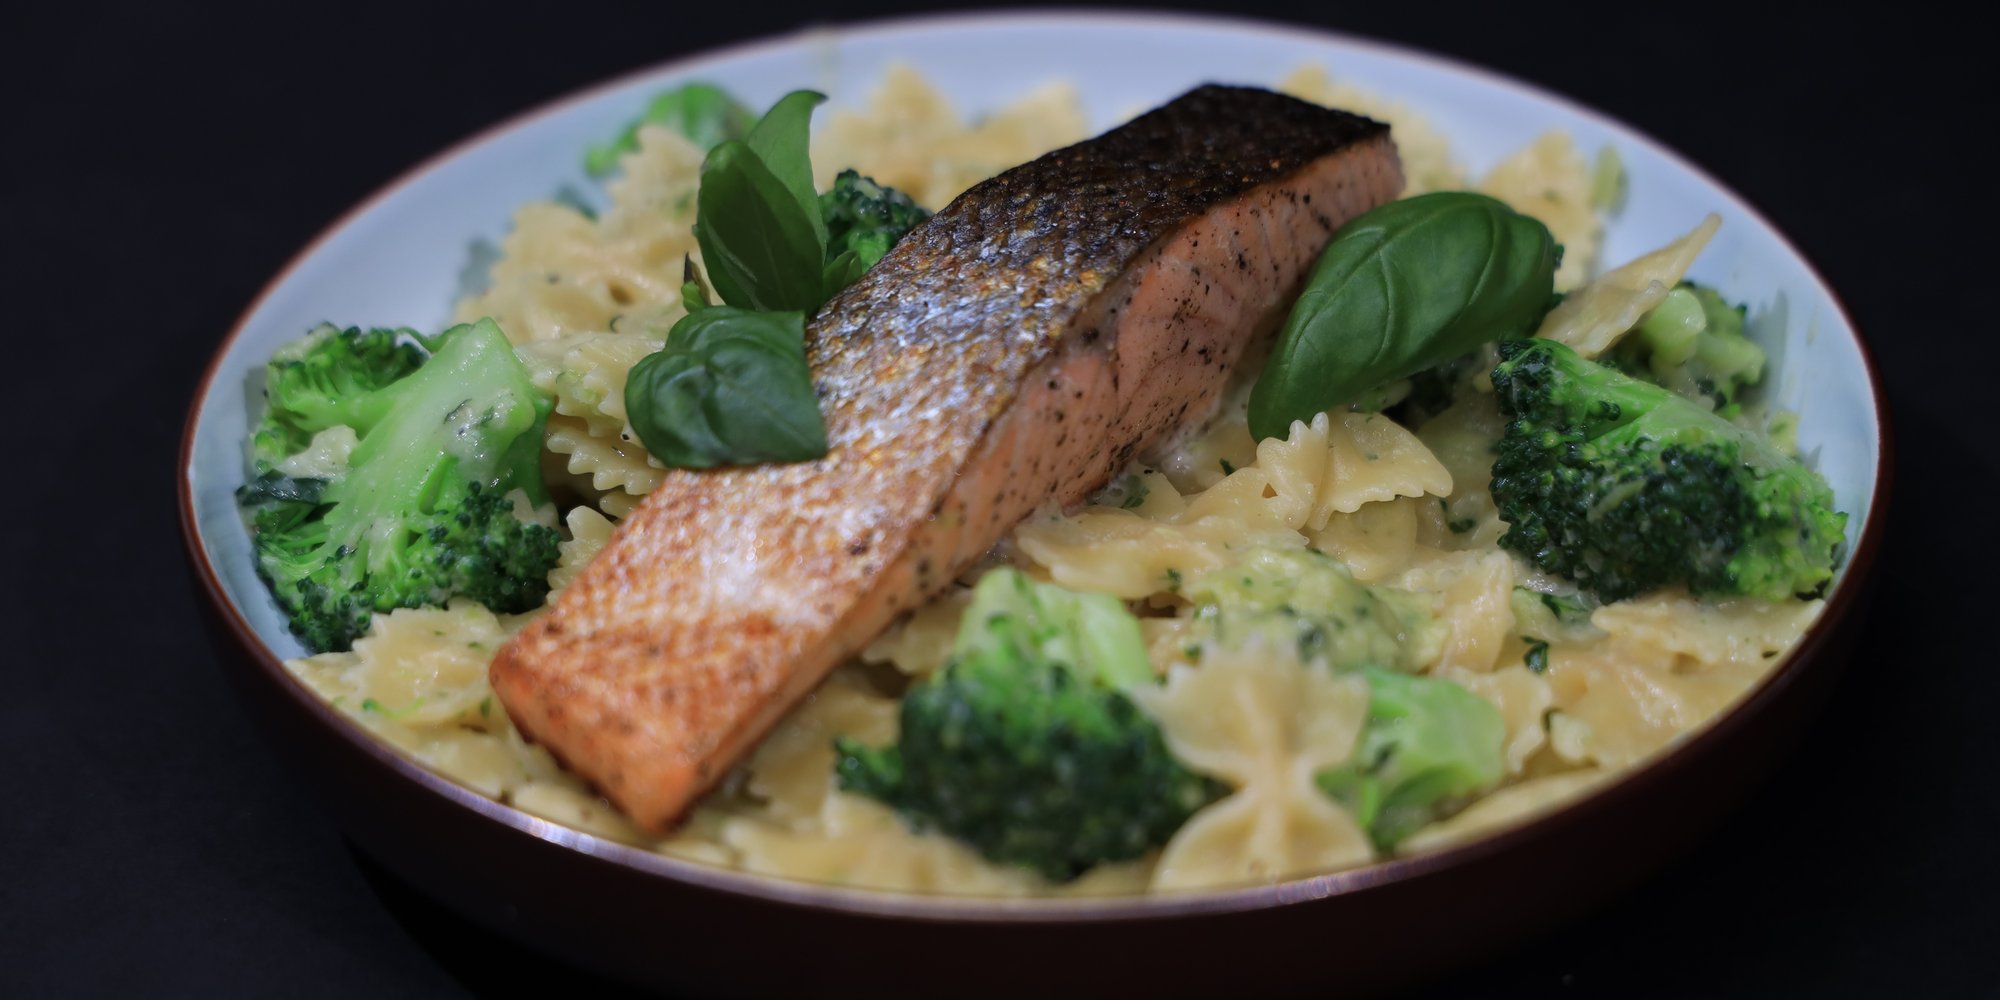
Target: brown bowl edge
[976, 910]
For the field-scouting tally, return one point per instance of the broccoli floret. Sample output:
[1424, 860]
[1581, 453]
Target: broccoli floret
[426, 506]
[318, 381]
[1693, 343]
[706, 114]
[866, 217]
[1623, 486]
[1427, 743]
[1025, 745]
[1306, 601]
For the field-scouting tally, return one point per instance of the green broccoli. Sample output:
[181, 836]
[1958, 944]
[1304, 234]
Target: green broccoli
[426, 506]
[1025, 745]
[1693, 343]
[1307, 601]
[703, 112]
[1427, 743]
[313, 384]
[866, 217]
[1623, 486]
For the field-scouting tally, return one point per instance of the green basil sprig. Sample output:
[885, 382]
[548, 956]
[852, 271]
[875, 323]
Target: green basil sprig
[762, 233]
[761, 251]
[730, 387]
[1405, 286]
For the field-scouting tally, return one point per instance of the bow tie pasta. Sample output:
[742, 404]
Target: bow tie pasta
[1239, 662]
[1267, 725]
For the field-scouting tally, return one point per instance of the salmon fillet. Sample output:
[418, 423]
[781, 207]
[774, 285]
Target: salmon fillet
[1017, 349]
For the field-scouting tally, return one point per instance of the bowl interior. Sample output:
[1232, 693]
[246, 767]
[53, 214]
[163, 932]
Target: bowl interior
[399, 259]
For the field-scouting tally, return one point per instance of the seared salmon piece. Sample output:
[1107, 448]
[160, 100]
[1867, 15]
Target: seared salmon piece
[1015, 350]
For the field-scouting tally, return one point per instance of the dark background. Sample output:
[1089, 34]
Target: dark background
[161, 161]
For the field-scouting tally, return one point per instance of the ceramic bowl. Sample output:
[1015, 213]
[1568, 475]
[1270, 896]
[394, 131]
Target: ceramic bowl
[396, 260]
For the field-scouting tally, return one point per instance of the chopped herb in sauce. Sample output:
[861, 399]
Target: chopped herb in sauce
[1537, 657]
[374, 707]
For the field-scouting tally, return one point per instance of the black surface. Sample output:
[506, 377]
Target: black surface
[162, 161]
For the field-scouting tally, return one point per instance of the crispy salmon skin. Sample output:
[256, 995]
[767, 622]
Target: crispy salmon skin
[1015, 350]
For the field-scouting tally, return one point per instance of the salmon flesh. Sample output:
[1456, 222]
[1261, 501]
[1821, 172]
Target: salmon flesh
[1015, 350]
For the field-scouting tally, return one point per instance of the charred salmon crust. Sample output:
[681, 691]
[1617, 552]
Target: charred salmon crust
[1013, 351]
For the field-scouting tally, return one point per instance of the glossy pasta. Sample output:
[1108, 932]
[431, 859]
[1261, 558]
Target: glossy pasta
[1400, 507]
[1256, 718]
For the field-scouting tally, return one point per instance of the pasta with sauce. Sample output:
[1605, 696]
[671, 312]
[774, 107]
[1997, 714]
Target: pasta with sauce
[1400, 508]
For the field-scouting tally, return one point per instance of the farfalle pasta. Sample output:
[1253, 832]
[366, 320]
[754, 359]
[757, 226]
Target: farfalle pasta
[1341, 462]
[1666, 664]
[1428, 163]
[909, 137]
[1278, 586]
[1590, 319]
[1268, 725]
[562, 272]
[1376, 541]
[418, 680]
[859, 842]
[614, 472]
[588, 531]
[1473, 593]
[1336, 465]
[791, 774]
[921, 642]
[1523, 698]
[1550, 181]
[585, 375]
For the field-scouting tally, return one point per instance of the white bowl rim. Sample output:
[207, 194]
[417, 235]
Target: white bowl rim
[979, 909]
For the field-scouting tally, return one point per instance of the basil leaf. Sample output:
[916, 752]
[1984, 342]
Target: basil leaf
[731, 387]
[843, 271]
[1403, 287]
[663, 399]
[767, 236]
[782, 139]
[762, 248]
